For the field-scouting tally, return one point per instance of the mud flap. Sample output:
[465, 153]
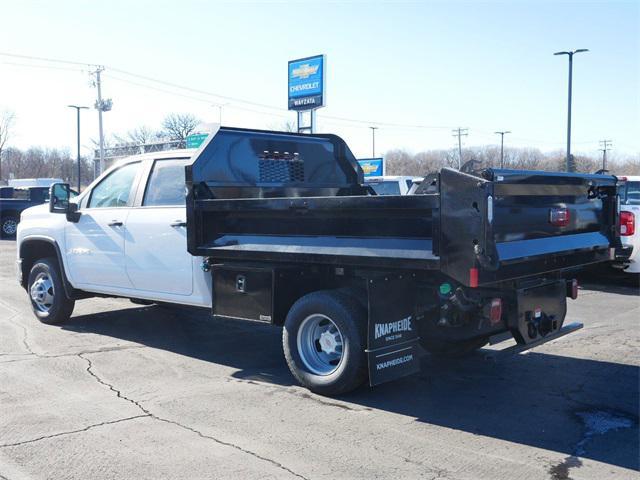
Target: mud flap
[393, 344]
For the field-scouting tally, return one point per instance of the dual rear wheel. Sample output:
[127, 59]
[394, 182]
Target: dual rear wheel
[324, 342]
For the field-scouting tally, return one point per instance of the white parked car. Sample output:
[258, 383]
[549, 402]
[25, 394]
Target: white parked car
[392, 185]
[33, 182]
[629, 217]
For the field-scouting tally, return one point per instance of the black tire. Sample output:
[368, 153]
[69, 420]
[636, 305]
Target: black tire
[47, 272]
[9, 225]
[441, 348]
[350, 318]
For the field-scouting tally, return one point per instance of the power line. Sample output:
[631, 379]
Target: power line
[190, 97]
[43, 59]
[213, 94]
[49, 67]
[282, 112]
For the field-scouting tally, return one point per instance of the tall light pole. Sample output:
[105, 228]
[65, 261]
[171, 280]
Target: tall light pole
[373, 141]
[570, 55]
[502, 134]
[78, 108]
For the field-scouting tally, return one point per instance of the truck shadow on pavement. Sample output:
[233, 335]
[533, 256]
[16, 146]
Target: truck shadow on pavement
[609, 280]
[535, 399]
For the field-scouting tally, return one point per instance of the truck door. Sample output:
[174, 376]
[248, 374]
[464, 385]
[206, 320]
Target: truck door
[156, 253]
[95, 244]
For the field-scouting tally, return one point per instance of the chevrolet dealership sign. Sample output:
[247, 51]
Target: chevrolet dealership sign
[306, 83]
[372, 167]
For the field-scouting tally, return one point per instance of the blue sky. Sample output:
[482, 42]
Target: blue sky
[485, 66]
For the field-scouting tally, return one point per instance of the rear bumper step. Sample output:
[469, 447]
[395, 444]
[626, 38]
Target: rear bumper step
[519, 348]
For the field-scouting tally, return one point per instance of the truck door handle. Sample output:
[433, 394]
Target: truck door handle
[115, 223]
[178, 223]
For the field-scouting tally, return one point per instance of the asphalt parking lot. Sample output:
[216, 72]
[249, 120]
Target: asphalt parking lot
[124, 391]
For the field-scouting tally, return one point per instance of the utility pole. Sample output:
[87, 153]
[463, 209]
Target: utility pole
[373, 141]
[606, 145]
[460, 132]
[78, 108]
[570, 55]
[219, 106]
[102, 105]
[502, 134]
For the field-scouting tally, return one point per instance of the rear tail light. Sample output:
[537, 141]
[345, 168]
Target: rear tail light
[559, 217]
[627, 224]
[495, 313]
[473, 277]
[572, 289]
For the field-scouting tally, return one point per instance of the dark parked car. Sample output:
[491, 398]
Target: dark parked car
[13, 201]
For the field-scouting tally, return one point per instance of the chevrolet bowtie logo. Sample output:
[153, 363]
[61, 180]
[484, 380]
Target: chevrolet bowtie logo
[304, 71]
[368, 167]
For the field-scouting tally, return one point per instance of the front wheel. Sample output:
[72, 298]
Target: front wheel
[323, 340]
[49, 301]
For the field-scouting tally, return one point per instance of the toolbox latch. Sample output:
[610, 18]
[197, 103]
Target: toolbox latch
[241, 283]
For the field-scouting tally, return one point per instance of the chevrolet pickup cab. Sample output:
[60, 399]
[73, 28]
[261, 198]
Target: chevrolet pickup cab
[280, 228]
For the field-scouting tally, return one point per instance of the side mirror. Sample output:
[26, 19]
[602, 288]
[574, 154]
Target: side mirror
[59, 195]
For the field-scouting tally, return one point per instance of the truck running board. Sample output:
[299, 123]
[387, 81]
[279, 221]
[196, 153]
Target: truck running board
[519, 348]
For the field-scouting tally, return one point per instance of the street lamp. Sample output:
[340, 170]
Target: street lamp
[78, 108]
[570, 55]
[373, 141]
[502, 134]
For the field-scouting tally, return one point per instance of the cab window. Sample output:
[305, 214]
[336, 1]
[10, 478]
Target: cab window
[166, 186]
[114, 190]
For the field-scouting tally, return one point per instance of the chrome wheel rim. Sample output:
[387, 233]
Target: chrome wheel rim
[9, 227]
[42, 292]
[320, 344]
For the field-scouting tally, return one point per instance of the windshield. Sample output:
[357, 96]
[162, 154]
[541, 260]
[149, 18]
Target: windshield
[631, 194]
[386, 188]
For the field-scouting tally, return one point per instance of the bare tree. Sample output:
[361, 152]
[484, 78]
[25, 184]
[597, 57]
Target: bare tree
[142, 135]
[285, 126]
[178, 126]
[7, 122]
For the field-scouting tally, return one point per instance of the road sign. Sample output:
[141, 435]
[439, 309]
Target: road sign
[372, 167]
[196, 139]
[307, 83]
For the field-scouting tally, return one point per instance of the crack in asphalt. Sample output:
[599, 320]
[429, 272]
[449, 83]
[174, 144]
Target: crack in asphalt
[31, 356]
[292, 391]
[149, 414]
[146, 413]
[25, 333]
[71, 432]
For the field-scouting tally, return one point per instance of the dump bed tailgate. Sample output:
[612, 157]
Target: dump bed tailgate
[511, 224]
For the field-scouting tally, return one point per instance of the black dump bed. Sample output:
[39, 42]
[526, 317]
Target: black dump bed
[285, 197]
